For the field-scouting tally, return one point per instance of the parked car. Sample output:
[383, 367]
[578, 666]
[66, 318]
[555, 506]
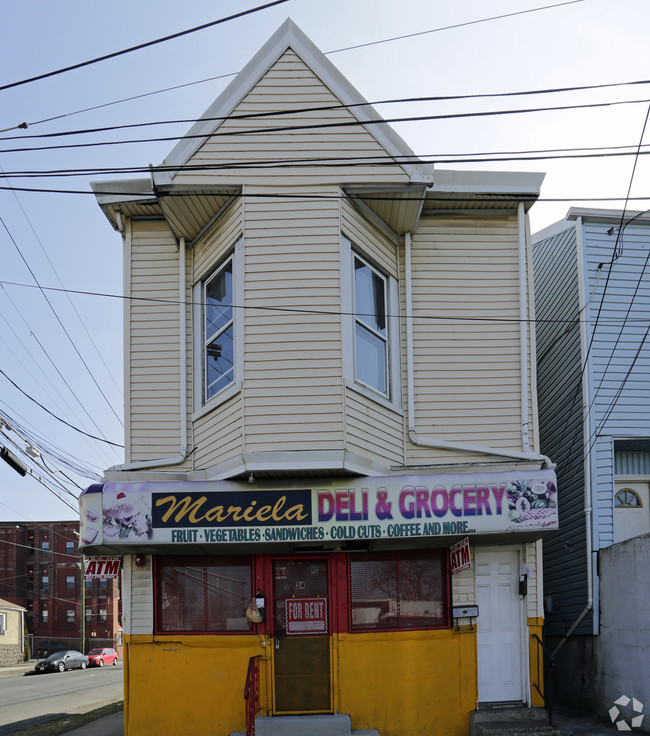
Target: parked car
[68, 659]
[100, 657]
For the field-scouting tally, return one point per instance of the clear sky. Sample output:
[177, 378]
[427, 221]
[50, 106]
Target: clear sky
[62, 350]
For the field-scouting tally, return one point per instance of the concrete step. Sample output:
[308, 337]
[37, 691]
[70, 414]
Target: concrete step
[511, 721]
[319, 725]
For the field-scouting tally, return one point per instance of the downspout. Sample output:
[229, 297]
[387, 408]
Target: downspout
[584, 340]
[523, 326]
[182, 453]
[434, 442]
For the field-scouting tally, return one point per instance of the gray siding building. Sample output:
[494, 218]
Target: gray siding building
[592, 301]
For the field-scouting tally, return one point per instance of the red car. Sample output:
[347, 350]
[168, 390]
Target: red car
[100, 657]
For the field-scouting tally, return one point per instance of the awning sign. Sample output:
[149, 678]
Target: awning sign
[306, 616]
[117, 515]
[101, 568]
[459, 557]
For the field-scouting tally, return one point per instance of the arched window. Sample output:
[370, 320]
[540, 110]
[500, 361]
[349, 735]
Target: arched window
[627, 498]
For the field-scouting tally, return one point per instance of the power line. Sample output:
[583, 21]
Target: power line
[322, 125]
[31, 398]
[456, 25]
[155, 301]
[327, 53]
[60, 322]
[142, 45]
[325, 108]
[81, 321]
[378, 160]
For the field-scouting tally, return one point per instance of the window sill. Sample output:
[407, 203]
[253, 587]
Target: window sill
[374, 396]
[216, 401]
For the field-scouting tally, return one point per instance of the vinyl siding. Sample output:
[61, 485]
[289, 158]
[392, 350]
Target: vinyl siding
[372, 429]
[625, 412]
[154, 376]
[218, 434]
[138, 598]
[293, 359]
[464, 271]
[559, 363]
[288, 84]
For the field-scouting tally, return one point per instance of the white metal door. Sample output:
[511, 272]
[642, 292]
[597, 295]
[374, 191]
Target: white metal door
[499, 625]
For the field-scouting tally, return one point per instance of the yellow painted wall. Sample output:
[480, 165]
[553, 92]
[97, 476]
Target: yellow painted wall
[408, 683]
[190, 685]
[400, 683]
[536, 661]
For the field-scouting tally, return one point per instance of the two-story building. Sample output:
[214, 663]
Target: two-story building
[592, 286]
[333, 468]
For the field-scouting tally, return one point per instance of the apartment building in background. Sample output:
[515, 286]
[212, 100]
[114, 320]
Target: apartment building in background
[40, 570]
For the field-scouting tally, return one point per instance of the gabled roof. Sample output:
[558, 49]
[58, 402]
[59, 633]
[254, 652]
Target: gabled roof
[289, 36]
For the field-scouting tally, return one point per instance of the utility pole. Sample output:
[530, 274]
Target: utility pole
[83, 604]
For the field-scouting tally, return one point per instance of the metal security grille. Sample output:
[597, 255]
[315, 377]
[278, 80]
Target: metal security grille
[301, 660]
[399, 590]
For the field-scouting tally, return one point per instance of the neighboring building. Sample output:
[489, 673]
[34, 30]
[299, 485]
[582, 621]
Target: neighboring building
[329, 383]
[12, 633]
[592, 286]
[40, 570]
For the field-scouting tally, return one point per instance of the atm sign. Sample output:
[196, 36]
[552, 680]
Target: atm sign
[306, 616]
[459, 557]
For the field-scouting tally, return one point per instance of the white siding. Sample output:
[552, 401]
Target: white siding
[466, 365]
[138, 597]
[154, 344]
[288, 85]
[293, 358]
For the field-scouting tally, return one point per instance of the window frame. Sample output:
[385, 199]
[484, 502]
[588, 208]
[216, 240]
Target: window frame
[202, 403]
[205, 561]
[395, 556]
[392, 398]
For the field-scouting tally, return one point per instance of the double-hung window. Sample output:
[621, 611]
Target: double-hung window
[370, 326]
[218, 331]
[371, 308]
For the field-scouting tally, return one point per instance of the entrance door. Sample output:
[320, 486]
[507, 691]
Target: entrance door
[301, 640]
[499, 625]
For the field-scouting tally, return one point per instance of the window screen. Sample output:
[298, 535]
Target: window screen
[399, 590]
[202, 594]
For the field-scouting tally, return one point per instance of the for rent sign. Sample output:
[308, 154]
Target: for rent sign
[203, 512]
[306, 616]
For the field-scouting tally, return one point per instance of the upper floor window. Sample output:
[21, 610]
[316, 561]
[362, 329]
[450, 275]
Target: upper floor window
[217, 338]
[371, 330]
[218, 330]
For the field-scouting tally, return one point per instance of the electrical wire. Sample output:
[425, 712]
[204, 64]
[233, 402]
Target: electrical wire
[156, 301]
[322, 125]
[49, 260]
[60, 323]
[141, 45]
[327, 53]
[343, 161]
[52, 414]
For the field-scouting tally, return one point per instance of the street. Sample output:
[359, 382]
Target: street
[27, 700]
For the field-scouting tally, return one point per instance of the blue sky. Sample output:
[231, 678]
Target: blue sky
[66, 355]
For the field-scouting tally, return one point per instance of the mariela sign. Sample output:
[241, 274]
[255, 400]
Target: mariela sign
[368, 508]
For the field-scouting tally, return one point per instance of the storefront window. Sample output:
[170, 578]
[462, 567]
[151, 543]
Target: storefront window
[400, 590]
[203, 594]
